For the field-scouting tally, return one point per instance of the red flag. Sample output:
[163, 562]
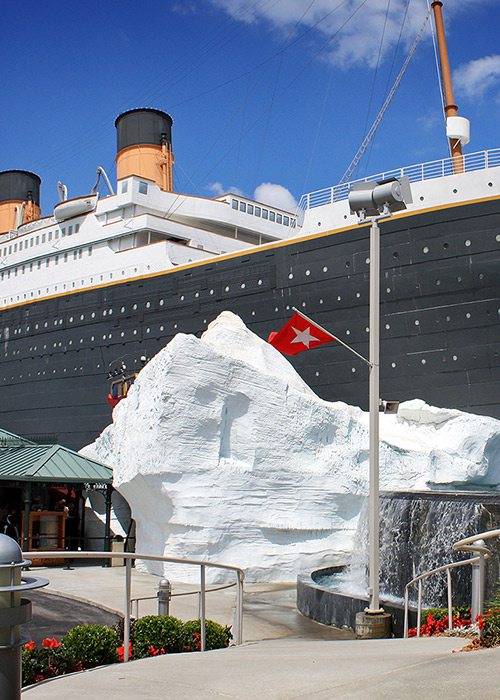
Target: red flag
[299, 334]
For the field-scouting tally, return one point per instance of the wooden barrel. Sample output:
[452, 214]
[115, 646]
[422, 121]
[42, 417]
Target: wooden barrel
[373, 626]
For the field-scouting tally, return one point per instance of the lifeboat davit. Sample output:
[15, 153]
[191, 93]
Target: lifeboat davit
[74, 207]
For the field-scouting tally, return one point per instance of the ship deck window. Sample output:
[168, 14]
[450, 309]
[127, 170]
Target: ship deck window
[265, 214]
[56, 235]
[279, 218]
[15, 247]
[77, 228]
[50, 235]
[243, 206]
[257, 211]
[89, 250]
[234, 203]
[37, 240]
[143, 187]
[44, 237]
[286, 220]
[63, 232]
[272, 216]
[250, 209]
[124, 187]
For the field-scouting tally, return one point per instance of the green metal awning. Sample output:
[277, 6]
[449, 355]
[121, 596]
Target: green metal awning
[7, 439]
[45, 463]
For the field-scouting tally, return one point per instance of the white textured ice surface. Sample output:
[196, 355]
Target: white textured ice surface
[225, 454]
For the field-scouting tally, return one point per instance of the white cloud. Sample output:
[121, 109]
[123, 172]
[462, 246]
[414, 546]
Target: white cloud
[217, 188]
[276, 196]
[477, 77]
[347, 36]
[355, 43]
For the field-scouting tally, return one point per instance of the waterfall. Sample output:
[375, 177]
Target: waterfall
[416, 535]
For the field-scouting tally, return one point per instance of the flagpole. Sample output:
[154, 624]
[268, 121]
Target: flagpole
[334, 337]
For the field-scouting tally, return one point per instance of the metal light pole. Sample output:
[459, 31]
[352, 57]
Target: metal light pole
[374, 406]
[372, 201]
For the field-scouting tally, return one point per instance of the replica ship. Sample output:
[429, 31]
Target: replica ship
[107, 280]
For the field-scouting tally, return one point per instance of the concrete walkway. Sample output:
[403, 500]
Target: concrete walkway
[297, 659]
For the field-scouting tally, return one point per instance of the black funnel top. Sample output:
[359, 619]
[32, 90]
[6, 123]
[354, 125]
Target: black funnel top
[148, 126]
[19, 186]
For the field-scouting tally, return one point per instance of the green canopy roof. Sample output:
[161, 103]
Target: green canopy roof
[30, 462]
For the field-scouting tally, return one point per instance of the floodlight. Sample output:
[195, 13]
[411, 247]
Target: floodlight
[379, 199]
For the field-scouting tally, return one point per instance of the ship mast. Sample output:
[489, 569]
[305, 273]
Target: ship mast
[450, 108]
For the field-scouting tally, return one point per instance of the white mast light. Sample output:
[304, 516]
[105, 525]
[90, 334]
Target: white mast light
[458, 129]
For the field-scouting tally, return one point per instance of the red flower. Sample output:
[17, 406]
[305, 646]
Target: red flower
[39, 677]
[30, 646]
[121, 652]
[155, 652]
[51, 643]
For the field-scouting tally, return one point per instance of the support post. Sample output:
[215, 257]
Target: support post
[477, 602]
[26, 516]
[374, 401]
[203, 636]
[126, 622]
[450, 600]
[107, 524]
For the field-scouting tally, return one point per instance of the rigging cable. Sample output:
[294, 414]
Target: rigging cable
[383, 109]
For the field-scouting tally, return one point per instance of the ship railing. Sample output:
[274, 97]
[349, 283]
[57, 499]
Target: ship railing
[474, 544]
[416, 173]
[129, 557]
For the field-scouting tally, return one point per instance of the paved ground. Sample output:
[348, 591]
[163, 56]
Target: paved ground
[54, 615]
[298, 659]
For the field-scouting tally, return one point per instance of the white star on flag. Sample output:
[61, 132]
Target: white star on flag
[303, 337]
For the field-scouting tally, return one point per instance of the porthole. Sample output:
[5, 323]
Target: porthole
[339, 298]
[321, 301]
[162, 301]
[467, 315]
[290, 276]
[353, 369]
[467, 243]
[455, 191]
[448, 319]
[175, 325]
[242, 285]
[417, 322]
[104, 313]
[134, 307]
[347, 263]
[92, 338]
[425, 249]
[422, 198]
[423, 361]
[122, 310]
[259, 282]
[211, 292]
[459, 279]
[348, 332]
[446, 246]
[308, 272]
[148, 330]
[388, 290]
[325, 269]
[92, 315]
[393, 365]
[122, 334]
[162, 328]
[182, 297]
[253, 313]
[358, 295]
[367, 329]
[71, 319]
[303, 304]
[134, 331]
[148, 305]
[317, 373]
[454, 358]
[226, 289]
[276, 309]
[438, 282]
[367, 261]
[387, 326]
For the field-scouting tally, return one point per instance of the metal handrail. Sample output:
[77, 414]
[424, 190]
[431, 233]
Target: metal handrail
[129, 556]
[480, 160]
[136, 600]
[470, 544]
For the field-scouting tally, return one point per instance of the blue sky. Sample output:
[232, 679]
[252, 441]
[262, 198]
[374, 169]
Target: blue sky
[261, 91]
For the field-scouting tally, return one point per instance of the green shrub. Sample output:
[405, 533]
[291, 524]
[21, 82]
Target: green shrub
[157, 632]
[217, 636]
[92, 645]
[490, 633]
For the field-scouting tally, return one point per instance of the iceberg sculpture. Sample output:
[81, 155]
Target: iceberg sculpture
[225, 454]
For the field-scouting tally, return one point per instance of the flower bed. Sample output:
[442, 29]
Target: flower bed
[484, 630]
[87, 646]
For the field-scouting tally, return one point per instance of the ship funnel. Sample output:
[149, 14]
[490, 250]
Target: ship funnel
[145, 146]
[19, 198]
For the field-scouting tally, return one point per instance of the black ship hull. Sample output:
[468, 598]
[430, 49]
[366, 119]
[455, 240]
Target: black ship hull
[440, 304]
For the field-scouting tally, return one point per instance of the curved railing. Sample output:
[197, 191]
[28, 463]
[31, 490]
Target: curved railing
[416, 173]
[474, 543]
[129, 556]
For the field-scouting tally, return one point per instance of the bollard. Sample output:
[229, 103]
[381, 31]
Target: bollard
[14, 612]
[164, 594]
